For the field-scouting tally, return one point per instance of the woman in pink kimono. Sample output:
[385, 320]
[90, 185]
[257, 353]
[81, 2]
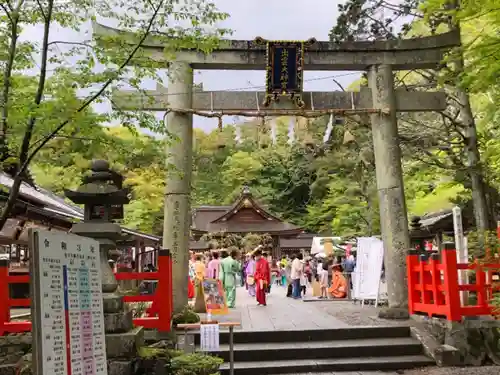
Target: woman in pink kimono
[250, 275]
[213, 267]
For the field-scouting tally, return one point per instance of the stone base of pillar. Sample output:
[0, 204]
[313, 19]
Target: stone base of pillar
[124, 345]
[112, 303]
[121, 367]
[394, 313]
[122, 339]
[119, 322]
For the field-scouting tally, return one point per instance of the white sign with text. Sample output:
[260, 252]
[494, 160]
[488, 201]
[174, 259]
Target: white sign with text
[67, 304]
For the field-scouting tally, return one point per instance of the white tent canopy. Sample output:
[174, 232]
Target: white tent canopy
[318, 244]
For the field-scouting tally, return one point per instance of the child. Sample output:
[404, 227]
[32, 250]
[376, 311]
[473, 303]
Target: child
[323, 280]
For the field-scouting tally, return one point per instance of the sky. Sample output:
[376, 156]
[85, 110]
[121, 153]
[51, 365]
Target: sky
[270, 19]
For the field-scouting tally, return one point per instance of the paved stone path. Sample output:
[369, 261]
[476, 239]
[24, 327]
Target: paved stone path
[281, 313]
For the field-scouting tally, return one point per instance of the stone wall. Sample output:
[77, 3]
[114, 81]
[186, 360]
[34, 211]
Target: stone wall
[12, 350]
[467, 343]
[14, 347]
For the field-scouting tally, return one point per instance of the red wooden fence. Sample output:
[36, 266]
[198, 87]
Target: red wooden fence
[434, 290]
[159, 315]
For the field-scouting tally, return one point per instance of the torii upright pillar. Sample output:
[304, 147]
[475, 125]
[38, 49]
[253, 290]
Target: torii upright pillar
[393, 218]
[179, 155]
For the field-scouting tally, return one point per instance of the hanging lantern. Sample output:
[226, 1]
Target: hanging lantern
[263, 134]
[308, 140]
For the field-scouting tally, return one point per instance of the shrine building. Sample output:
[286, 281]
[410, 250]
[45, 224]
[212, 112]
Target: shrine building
[247, 215]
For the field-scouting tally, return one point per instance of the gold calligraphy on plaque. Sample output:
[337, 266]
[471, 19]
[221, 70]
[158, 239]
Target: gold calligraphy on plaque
[284, 72]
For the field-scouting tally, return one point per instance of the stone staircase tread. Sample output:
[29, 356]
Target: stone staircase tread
[322, 344]
[421, 359]
[238, 331]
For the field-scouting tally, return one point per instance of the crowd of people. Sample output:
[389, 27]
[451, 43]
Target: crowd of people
[257, 272]
[228, 267]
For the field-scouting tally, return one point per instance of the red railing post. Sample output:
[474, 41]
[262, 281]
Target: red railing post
[163, 295]
[4, 295]
[438, 296]
[451, 290]
[481, 291]
[413, 294]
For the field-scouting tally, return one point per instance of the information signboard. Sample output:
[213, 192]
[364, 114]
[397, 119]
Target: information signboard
[68, 326]
[209, 338]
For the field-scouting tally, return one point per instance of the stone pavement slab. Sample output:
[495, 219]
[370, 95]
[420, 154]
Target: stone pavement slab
[281, 313]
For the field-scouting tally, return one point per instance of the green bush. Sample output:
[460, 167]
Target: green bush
[195, 364]
[186, 316]
[147, 352]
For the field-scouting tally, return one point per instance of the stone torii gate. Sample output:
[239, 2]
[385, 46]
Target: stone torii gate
[379, 59]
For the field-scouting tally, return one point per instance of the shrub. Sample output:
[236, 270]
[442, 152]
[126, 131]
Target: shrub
[147, 352]
[195, 364]
[186, 316]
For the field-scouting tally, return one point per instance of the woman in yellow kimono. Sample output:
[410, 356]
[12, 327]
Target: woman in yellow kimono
[339, 283]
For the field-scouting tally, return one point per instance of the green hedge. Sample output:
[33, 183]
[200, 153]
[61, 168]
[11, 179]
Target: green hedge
[195, 364]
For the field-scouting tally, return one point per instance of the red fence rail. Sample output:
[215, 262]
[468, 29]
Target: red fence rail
[434, 290]
[158, 316]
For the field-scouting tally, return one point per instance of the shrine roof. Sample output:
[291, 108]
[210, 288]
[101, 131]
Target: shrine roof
[296, 243]
[266, 227]
[433, 223]
[220, 218]
[54, 205]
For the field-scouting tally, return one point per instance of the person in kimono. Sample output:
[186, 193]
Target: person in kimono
[339, 282]
[213, 266]
[262, 277]
[229, 267]
[199, 268]
[250, 275]
[192, 276]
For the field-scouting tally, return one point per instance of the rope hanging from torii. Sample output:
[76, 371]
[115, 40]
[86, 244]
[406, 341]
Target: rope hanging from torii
[279, 112]
[284, 78]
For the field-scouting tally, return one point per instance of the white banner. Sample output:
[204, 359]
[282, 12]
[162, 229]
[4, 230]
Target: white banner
[369, 260]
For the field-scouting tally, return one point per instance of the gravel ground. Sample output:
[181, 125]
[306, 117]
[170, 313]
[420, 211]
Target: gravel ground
[355, 315]
[485, 370]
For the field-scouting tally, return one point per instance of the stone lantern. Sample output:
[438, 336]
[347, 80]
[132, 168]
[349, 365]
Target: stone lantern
[103, 196]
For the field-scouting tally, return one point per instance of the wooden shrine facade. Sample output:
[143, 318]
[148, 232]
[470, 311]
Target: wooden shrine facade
[38, 208]
[246, 215]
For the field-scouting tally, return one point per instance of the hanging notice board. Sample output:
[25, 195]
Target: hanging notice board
[68, 325]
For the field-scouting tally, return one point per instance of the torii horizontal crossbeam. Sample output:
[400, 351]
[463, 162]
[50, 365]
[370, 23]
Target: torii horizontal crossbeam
[157, 100]
[401, 54]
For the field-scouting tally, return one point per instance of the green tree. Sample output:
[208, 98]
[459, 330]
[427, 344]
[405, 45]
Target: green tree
[50, 103]
[239, 169]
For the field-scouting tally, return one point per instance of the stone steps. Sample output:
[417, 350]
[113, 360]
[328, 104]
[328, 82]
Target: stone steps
[345, 333]
[338, 364]
[340, 349]
[321, 349]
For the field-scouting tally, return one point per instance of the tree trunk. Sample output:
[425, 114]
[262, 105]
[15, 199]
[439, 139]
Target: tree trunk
[474, 168]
